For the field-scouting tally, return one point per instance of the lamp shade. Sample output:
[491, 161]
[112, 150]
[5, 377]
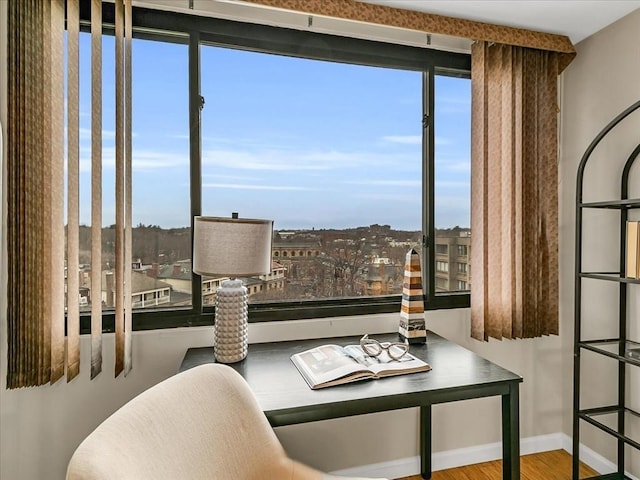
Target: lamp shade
[234, 247]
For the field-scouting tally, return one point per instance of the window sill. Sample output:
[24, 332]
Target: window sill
[353, 308]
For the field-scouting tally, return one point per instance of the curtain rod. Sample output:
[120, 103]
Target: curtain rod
[428, 22]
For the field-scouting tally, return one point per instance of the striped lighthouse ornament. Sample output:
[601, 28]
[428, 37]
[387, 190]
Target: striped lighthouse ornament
[412, 327]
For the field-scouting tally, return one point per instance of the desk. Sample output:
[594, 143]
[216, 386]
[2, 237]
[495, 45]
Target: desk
[457, 374]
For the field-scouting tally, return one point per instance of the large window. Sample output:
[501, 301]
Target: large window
[357, 150]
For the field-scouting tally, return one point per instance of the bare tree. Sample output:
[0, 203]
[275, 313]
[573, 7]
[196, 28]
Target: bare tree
[342, 263]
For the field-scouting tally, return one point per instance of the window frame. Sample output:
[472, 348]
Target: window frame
[196, 31]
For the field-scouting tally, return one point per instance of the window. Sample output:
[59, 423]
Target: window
[161, 235]
[462, 285]
[462, 267]
[281, 133]
[329, 136]
[452, 202]
[462, 250]
[442, 266]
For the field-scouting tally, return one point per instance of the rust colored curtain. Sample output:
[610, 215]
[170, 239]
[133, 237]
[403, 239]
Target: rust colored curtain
[514, 192]
[35, 310]
[42, 283]
[123, 31]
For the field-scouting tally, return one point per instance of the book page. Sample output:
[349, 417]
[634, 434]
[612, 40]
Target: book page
[325, 363]
[407, 364]
[384, 364]
[330, 365]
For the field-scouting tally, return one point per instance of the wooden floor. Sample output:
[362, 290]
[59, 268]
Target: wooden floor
[554, 465]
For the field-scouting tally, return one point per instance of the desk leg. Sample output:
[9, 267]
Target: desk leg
[511, 434]
[425, 441]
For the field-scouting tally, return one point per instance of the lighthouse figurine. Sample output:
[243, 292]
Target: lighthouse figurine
[412, 326]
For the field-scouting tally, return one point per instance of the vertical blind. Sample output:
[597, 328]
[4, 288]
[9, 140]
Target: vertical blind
[514, 192]
[43, 236]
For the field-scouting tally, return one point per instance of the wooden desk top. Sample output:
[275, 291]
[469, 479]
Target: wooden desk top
[457, 374]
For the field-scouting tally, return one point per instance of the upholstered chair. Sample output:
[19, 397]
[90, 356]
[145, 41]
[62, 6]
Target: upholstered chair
[204, 423]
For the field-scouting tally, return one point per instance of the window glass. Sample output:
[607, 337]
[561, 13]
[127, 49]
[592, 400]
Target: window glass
[332, 152]
[442, 266]
[161, 237]
[161, 194]
[452, 174]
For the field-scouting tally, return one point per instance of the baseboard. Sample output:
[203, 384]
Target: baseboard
[405, 467]
[593, 459]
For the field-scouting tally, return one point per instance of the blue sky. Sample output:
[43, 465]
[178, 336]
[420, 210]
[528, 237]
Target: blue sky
[305, 143]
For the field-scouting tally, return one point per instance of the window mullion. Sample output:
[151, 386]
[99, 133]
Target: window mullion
[195, 153]
[428, 184]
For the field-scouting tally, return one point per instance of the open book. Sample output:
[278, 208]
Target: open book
[330, 365]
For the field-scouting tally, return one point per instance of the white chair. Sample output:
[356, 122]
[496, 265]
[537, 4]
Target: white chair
[204, 423]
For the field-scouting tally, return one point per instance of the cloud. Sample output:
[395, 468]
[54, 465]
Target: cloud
[275, 141]
[151, 159]
[179, 136]
[142, 159]
[452, 203]
[404, 139]
[409, 200]
[457, 166]
[85, 133]
[222, 164]
[218, 176]
[240, 186]
[291, 160]
[388, 183]
[453, 104]
[414, 140]
[454, 184]
[442, 141]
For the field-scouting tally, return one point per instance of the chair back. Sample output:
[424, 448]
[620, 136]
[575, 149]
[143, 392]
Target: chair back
[204, 423]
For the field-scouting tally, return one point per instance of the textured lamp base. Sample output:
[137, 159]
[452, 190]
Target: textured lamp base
[231, 342]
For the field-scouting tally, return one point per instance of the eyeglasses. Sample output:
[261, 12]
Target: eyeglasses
[374, 348]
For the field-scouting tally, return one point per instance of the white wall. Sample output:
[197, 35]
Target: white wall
[42, 426]
[602, 81]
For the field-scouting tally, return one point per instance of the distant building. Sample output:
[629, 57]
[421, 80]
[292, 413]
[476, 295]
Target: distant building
[380, 278]
[453, 260]
[301, 259]
[210, 286]
[285, 251]
[177, 274]
[145, 291]
[276, 278]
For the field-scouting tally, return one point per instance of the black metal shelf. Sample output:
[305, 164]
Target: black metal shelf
[589, 415]
[609, 476]
[611, 348]
[613, 204]
[609, 276]
[616, 348]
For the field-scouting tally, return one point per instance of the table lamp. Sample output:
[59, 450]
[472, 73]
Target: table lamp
[231, 247]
